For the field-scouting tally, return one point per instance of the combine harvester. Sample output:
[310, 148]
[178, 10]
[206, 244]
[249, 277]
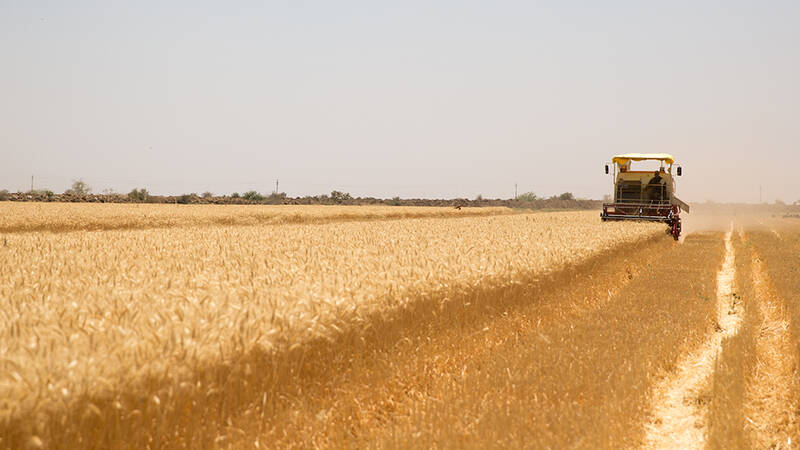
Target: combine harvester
[645, 195]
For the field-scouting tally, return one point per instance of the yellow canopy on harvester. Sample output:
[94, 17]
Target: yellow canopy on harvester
[623, 159]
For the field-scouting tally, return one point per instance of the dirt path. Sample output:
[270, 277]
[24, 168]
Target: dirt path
[769, 396]
[681, 400]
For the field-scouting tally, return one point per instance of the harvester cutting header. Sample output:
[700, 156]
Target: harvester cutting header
[645, 195]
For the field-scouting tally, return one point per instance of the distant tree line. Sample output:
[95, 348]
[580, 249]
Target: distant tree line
[80, 191]
[142, 195]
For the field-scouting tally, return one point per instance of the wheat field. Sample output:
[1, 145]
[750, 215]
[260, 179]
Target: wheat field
[89, 314]
[158, 326]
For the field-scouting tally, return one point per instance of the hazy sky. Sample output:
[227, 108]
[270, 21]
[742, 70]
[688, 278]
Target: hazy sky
[408, 98]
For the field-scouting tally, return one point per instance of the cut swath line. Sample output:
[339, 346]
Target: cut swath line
[678, 410]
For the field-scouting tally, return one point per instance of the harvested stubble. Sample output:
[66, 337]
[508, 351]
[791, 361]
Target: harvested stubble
[60, 217]
[140, 336]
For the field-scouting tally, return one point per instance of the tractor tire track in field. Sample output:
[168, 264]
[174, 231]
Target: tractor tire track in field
[680, 401]
[770, 402]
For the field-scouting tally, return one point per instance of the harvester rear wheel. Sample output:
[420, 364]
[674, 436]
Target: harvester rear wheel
[676, 228]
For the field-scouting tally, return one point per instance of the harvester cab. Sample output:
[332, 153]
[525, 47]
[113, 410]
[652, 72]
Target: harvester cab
[645, 195]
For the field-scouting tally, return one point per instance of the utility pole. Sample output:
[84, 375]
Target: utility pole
[276, 187]
[31, 183]
[515, 191]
